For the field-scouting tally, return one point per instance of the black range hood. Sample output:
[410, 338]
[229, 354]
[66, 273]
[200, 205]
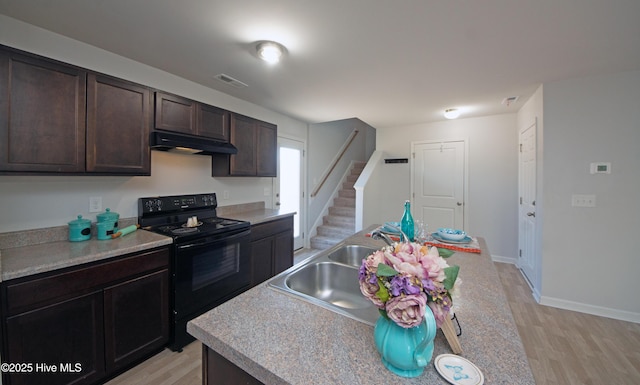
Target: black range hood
[173, 141]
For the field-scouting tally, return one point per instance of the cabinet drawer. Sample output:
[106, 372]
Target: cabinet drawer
[36, 291]
[270, 228]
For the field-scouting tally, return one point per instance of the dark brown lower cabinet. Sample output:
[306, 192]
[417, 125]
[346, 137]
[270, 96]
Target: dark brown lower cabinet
[271, 248]
[135, 312]
[85, 324]
[67, 334]
[217, 370]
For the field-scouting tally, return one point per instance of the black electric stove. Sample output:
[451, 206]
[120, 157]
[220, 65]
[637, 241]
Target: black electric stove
[210, 260]
[170, 215]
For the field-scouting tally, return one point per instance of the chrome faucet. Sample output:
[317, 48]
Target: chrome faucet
[377, 234]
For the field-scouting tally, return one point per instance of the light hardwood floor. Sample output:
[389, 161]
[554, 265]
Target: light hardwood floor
[567, 347]
[563, 347]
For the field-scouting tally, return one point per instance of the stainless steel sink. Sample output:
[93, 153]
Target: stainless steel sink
[330, 280]
[351, 255]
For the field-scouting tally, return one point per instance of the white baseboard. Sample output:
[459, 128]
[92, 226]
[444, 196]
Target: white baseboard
[591, 309]
[501, 259]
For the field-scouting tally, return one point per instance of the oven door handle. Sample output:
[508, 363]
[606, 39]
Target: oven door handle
[204, 241]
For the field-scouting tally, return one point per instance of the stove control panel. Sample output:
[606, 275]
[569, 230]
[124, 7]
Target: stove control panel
[176, 203]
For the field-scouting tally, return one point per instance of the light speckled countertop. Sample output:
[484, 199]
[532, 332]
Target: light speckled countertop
[281, 339]
[39, 258]
[29, 252]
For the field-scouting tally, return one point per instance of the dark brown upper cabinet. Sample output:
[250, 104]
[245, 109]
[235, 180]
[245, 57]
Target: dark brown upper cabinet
[56, 118]
[42, 115]
[178, 114]
[175, 113]
[118, 125]
[256, 142]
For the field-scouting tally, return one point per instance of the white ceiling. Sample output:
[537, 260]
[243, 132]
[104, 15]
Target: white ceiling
[389, 63]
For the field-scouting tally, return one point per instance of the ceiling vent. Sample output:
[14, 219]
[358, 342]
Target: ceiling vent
[510, 100]
[230, 81]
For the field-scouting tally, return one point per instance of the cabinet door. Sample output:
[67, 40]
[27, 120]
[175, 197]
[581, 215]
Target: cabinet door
[261, 260]
[243, 136]
[42, 115]
[283, 252]
[136, 318]
[174, 113]
[266, 149]
[68, 333]
[213, 122]
[118, 124]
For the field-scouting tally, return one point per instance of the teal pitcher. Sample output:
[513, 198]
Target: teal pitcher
[405, 351]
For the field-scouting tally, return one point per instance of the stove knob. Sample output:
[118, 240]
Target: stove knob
[159, 204]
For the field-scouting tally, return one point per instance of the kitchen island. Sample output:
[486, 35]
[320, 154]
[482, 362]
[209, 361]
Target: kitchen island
[281, 339]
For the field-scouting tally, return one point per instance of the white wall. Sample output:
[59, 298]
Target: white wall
[42, 201]
[493, 174]
[590, 255]
[326, 141]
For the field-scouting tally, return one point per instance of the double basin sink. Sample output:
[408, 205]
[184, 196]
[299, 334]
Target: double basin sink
[330, 280]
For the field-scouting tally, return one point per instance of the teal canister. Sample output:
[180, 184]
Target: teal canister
[105, 230]
[79, 229]
[109, 217]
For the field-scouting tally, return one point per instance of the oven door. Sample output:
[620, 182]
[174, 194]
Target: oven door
[209, 271]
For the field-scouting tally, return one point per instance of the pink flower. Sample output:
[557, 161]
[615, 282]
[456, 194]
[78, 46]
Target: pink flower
[407, 311]
[433, 265]
[369, 290]
[372, 261]
[405, 259]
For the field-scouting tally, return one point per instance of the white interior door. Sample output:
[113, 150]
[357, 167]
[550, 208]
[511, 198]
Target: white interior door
[289, 186]
[438, 184]
[527, 210]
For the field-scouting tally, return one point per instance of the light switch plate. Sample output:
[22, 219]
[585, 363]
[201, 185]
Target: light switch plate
[95, 204]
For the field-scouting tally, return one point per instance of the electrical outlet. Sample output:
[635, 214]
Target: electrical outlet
[95, 204]
[580, 200]
[225, 194]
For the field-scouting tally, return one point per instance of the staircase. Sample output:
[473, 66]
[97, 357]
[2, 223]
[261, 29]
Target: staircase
[341, 221]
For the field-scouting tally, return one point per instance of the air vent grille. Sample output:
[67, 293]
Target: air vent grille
[230, 81]
[510, 100]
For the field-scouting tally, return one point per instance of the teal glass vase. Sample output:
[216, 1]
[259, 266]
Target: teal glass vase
[405, 351]
[406, 223]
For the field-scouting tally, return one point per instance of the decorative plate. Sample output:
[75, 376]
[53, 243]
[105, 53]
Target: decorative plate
[390, 230]
[458, 370]
[438, 238]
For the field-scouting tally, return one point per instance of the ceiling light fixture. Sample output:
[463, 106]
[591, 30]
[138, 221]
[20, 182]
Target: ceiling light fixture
[270, 51]
[451, 113]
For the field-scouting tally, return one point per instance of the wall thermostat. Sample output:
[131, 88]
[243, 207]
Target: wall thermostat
[601, 168]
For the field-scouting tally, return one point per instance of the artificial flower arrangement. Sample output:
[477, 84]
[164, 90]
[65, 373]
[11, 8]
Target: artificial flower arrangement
[401, 280]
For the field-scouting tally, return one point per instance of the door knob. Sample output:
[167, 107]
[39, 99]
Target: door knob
[277, 203]
[459, 203]
[531, 214]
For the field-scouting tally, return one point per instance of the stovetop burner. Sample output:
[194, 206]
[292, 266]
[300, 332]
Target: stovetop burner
[172, 216]
[184, 230]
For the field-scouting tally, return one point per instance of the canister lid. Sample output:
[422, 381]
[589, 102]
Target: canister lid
[80, 221]
[108, 216]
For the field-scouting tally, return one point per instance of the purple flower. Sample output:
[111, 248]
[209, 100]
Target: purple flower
[402, 284]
